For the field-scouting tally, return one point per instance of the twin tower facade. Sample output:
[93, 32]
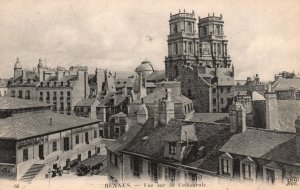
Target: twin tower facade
[200, 57]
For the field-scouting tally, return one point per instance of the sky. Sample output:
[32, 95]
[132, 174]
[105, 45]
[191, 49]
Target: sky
[263, 35]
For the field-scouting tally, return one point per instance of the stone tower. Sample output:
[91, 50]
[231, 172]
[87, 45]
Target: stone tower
[186, 47]
[183, 43]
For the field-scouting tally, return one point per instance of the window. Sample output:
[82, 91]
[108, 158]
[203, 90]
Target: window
[170, 174]
[61, 93]
[136, 166]
[116, 160]
[228, 89]
[20, 94]
[176, 48]
[248, 171]
[13, 93]
[54, 146]
[101, 133]
[221, 89]
[77, 139]
[225, 166]
[191, 178]
[110, 157]
[189, 91]
[68, 93]
[95, 134]
[214, 90]
[270, 176]
[214, 101]
[98, 150]
[25, 154]
[154, 171]
[172, 148]
[189, 81]
[222, 100]
[190, 47]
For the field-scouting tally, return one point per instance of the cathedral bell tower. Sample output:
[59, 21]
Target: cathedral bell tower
[213, 43]
[183, 43]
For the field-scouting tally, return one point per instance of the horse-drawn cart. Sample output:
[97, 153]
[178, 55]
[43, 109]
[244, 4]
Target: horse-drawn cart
[90, 164]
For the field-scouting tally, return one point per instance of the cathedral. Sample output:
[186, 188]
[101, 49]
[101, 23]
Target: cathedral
[200, 61]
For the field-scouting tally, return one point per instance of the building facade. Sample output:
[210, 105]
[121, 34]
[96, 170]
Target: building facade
[34, 138]
[202, 58]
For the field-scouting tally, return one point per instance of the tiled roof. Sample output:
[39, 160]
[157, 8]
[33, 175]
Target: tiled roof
[264, 144]
[161, 93]
[288, 112]
[208, 117]
[17, 103]
[150, 140]
[86, 102]
[21, 126]
[286, 84]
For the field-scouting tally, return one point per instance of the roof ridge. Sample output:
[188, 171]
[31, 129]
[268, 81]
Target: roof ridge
[272, 131]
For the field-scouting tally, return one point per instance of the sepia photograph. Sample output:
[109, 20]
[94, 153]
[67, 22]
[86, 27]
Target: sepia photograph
[149, 94]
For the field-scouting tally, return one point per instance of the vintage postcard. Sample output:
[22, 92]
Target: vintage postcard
[149, 94]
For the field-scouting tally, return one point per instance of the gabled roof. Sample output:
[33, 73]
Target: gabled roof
[21, 126]
[212, 136]
[264, 144]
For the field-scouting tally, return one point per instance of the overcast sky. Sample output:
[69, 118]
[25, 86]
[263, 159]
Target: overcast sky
[263, 35]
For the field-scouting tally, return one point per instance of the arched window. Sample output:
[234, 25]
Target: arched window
[176, 48]
[189, 92]
[219, 49]
[175, 28]
[189, 27]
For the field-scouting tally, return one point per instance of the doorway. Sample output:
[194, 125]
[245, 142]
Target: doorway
[41, 151]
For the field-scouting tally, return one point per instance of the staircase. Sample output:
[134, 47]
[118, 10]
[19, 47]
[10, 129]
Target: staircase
[32, 172]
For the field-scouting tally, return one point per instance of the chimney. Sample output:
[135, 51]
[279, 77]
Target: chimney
[142, 114]
[60, 74]
[100, 79]
[297, 125]
[156, 113]
[237, 117]
[167, 108]
[271, 110]
[124, 90]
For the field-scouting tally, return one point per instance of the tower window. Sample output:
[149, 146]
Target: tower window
[176, 48]
[190, 47]
[189, 91]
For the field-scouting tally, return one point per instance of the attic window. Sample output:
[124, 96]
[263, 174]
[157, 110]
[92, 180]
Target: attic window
[145, 138]
[124, 138]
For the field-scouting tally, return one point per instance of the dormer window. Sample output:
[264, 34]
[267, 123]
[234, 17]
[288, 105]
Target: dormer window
[248, 169]
[225, 165]
[172, 148]
[272, 173]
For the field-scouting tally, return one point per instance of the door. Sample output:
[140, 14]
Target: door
[41, 151]
[66, 144]
[89, 154]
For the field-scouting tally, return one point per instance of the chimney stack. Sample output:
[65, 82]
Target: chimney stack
[297, 125]
[271, 109]
[237, 116]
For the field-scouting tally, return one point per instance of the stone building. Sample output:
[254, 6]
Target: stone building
[33, 139]
[202, 58]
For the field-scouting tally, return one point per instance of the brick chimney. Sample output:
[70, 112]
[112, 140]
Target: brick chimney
[297, 125]
[271, 110]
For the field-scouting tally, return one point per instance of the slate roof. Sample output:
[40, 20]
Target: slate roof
[286, 84]
[185, 131]
[288, 112]
[208, 117]
[86, 102]
[10, 103]
[21, 126]
[161, 93]
[264, 144]
[150, 141]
